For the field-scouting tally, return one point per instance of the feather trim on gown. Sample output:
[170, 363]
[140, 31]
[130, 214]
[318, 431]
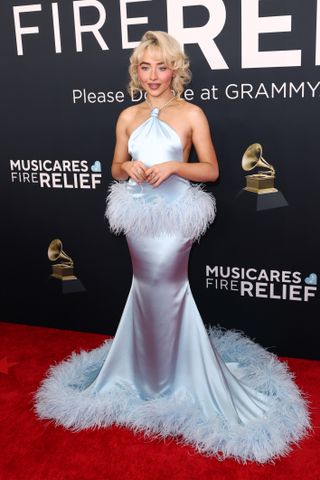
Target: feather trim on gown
[163, 373]
[64, 397]
[152, 215]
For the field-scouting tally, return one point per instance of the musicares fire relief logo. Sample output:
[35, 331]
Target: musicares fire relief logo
[262, 283]
[67, 174]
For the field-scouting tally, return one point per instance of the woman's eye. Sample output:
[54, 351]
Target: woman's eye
[163, 69]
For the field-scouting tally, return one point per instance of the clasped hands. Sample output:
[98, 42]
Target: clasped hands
[154, 175]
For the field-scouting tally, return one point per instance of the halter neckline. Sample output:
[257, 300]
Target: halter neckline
[155, 110]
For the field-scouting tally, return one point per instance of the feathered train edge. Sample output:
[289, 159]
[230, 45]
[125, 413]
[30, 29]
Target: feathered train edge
[63, 397]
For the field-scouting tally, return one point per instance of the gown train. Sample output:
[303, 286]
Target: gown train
[164, 373]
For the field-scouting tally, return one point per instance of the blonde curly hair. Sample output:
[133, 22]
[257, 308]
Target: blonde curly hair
[173, 57]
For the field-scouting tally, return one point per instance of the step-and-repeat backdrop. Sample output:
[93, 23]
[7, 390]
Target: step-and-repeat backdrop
[63, 81]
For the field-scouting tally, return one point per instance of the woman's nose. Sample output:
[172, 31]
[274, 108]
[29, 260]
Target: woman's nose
[153, 74]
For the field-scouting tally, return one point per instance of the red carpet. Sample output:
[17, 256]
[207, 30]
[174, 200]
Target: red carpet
[36, 450]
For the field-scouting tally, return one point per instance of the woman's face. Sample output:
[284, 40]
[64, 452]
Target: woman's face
[155, 77]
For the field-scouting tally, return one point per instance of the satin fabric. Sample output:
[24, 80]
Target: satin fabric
[161, 346]
[162, 373]
[153, 142]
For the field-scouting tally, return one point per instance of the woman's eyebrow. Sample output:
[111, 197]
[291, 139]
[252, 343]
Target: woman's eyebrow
[147, 63]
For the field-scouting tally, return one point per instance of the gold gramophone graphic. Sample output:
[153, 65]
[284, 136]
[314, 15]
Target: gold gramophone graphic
[63, 268]
[263, 181]
[261, 184]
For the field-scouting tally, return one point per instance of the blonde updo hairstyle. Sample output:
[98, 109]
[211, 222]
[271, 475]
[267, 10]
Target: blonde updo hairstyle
[172, 55]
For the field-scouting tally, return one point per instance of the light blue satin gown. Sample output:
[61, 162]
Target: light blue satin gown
[163, 373]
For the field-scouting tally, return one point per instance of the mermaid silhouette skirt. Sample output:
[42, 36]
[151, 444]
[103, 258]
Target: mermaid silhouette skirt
[164, 373]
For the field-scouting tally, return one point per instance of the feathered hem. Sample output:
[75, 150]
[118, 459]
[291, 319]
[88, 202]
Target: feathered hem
[64, 397]
[190, 215]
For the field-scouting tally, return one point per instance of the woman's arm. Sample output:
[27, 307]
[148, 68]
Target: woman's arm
[206, 170]
[122, 166]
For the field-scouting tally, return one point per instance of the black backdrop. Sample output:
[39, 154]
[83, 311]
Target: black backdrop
[46, 116]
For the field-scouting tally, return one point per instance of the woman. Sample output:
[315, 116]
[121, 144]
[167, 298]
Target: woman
[162, 373]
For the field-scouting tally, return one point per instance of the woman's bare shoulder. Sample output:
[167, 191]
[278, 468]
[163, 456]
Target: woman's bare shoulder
[190, 108]
[128, 115]
[191, 112]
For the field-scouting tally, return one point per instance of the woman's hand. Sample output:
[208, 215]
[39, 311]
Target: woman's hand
[156, 174]
[136, 170]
